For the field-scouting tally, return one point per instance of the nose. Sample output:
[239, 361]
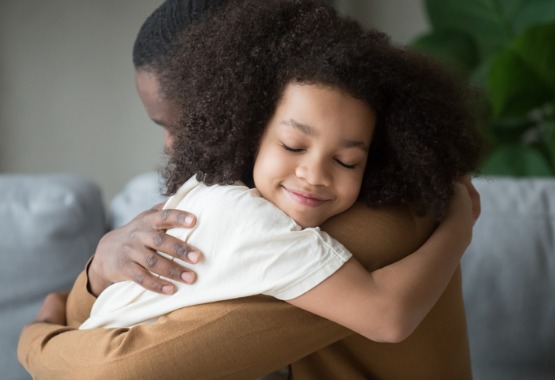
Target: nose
[314, 171]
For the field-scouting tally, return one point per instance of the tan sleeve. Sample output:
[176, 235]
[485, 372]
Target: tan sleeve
[80, 300]
[238, 339]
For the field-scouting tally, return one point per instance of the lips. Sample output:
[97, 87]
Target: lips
[305, 198]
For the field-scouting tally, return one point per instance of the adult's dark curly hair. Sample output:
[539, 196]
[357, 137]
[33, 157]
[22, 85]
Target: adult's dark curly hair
[236, 62]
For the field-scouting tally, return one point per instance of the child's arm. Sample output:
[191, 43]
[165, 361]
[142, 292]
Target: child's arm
[387, 304]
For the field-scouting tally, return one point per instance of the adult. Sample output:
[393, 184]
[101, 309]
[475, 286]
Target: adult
[249, 337]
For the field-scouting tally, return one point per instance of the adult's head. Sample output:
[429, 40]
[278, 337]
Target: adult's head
[156, 42]
[244, 57]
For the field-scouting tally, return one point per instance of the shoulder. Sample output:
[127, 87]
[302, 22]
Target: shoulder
[229, 204]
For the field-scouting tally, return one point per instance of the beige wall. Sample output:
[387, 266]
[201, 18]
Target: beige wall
[67, 96]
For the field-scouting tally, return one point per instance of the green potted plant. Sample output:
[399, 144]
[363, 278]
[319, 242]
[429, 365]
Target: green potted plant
[507, 49]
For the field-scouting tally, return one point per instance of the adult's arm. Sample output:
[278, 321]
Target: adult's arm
[240, 339]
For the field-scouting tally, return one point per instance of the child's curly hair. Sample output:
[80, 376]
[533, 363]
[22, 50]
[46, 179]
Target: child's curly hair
[235, 64]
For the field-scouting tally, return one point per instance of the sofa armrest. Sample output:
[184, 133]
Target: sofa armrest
[50, 225]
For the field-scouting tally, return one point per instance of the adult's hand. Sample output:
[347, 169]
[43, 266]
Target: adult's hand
[53, 309]
[130, 253]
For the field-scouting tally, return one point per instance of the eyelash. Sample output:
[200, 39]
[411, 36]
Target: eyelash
[289, 149]
[294, 150]
[346, 166]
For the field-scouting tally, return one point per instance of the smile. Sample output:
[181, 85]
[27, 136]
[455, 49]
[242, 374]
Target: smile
[305, 199]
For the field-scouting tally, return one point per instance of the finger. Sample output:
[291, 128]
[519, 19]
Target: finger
[153, 262]
[476, 201]
[474, 195]
[172, 246]
[151, 281]
[63, 295]
[159, 206]
[52, 309]
[156, 283]
[170, 218]
[176, 248]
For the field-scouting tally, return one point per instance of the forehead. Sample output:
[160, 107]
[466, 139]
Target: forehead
[157, 107]
[324, 108]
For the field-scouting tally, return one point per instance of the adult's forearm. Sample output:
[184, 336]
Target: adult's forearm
[240, 339]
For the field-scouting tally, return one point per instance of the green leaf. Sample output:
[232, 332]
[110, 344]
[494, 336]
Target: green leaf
[533, 13]
[450, 47]
[492, 24]
[517, 161]
[488, 22]
[536, 47]
[513, 87]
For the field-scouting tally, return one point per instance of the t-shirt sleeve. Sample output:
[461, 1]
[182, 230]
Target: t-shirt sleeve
[313, 257]
[252, 247]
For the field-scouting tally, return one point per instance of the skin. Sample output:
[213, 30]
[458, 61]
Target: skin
[313, 152]
[158, 110]
[53, 309]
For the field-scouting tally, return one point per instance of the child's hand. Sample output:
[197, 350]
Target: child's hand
[464, 208]
[474, 196]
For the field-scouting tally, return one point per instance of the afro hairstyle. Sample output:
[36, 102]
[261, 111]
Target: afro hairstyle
[236, 61]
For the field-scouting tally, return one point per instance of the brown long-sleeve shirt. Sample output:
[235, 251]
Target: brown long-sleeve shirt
[247, 338]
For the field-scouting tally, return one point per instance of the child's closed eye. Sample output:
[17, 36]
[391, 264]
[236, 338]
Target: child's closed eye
[291, 149]
[345, 165]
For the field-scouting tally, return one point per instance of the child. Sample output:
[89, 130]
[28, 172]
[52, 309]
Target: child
[322, 114]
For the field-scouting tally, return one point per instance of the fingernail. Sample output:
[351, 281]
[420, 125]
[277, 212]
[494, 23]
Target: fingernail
[167, 289]
[193, 256]
[189, 220]
[187, 276]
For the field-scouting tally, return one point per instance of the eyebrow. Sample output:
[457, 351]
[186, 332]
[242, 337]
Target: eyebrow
[308, 130]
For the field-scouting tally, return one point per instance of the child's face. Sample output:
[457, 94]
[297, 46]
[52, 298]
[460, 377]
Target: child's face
[313, 152]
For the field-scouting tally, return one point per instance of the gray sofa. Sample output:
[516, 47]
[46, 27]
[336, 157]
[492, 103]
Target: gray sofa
[50, 225]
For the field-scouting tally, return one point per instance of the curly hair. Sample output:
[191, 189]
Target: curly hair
[236, 62]
[158, 36]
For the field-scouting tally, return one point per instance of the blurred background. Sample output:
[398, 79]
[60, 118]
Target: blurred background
[68, 101]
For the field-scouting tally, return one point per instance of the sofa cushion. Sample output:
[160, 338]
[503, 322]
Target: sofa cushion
[50, 226]
[509, 280]
[140, 194]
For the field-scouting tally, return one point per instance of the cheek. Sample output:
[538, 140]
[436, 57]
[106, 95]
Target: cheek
[350, 189]
[263, 166]
[272, 162]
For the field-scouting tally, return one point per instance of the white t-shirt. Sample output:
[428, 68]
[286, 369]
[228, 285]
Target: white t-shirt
[250, 247]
